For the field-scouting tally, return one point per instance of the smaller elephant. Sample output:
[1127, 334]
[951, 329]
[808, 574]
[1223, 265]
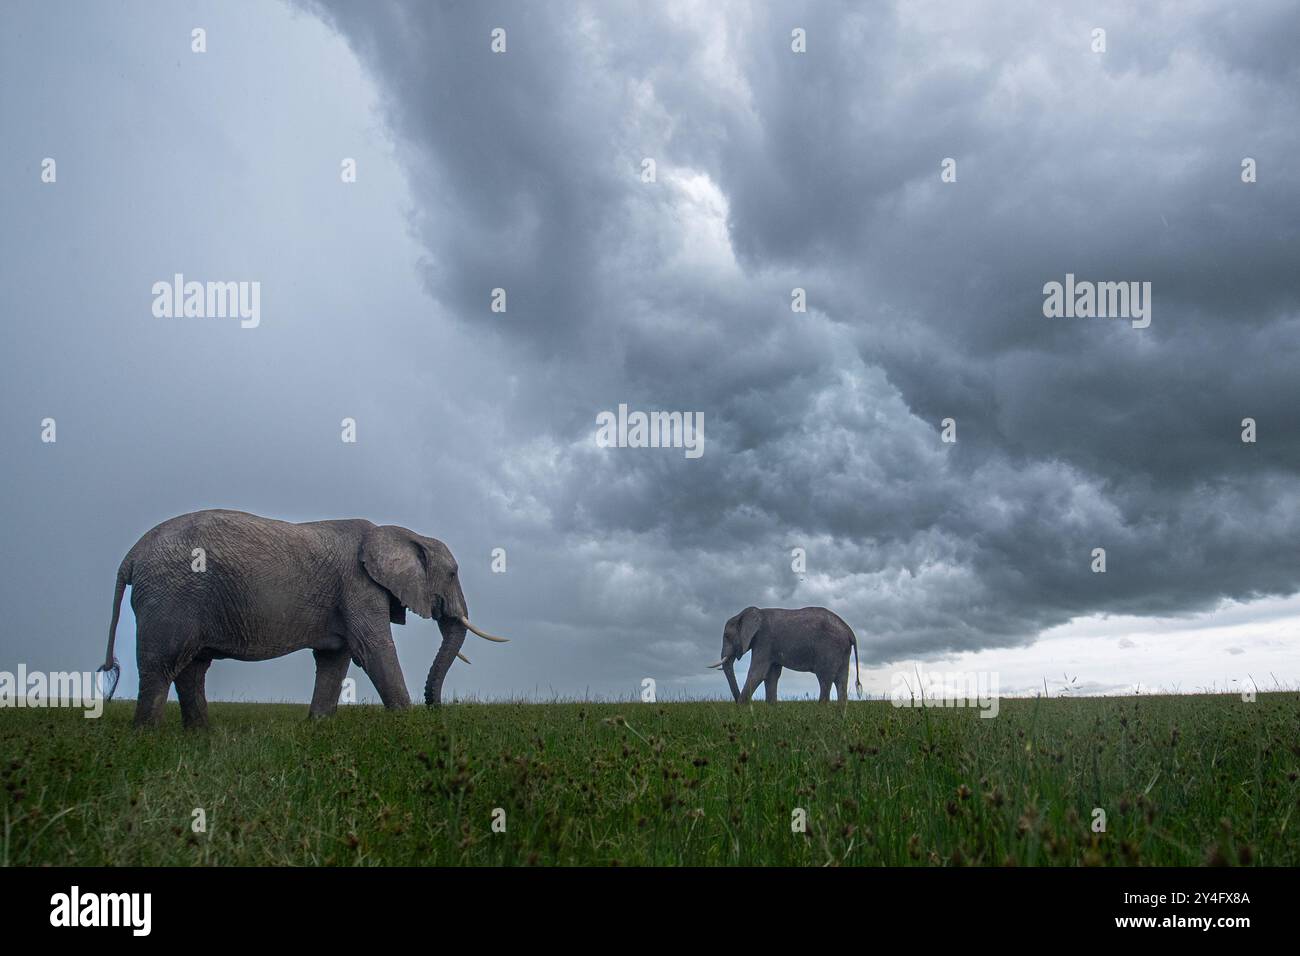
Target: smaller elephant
[807, 639]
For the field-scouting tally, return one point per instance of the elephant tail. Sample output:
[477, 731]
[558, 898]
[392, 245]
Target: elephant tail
[111, 668]
[857, 673]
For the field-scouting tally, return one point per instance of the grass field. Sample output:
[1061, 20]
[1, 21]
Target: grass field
[1182, 780]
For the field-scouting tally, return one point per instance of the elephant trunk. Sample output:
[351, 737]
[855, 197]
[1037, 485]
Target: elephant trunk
[453, 604]
[453, 636]
[729, 668]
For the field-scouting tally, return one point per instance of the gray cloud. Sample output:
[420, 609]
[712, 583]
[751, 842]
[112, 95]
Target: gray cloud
[926, 297]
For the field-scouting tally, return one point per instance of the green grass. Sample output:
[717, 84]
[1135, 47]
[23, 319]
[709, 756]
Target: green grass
[1183, 780]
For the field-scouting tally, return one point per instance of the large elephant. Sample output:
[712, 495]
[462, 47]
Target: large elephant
[226, 584]
[807, 639]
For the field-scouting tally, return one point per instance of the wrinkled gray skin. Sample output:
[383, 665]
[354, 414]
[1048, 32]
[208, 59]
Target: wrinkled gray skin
[271, 588]
[808, 639]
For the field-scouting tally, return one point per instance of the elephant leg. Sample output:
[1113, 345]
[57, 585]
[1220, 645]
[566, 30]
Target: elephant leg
[152, 698]
[769, 683]
[757, 674]
[825, 684]
[842, 683]
[165, 644]
[379, 661]
[189, 688]
[331, 668]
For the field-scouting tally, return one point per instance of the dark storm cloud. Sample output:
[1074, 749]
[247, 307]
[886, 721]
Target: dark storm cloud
[822, 171]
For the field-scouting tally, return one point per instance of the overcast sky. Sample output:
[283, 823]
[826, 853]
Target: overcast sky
[775, 170]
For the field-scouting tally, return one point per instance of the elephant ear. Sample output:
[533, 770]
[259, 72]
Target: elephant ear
[750, 619]
[395, 560]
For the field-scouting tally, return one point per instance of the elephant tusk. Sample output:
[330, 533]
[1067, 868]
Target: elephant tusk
[464, 658]
[485, 636]
[719, 664]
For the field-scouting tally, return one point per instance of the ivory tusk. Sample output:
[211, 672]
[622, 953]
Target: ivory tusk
[482, 634]
[464, 658]
[719, 664]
